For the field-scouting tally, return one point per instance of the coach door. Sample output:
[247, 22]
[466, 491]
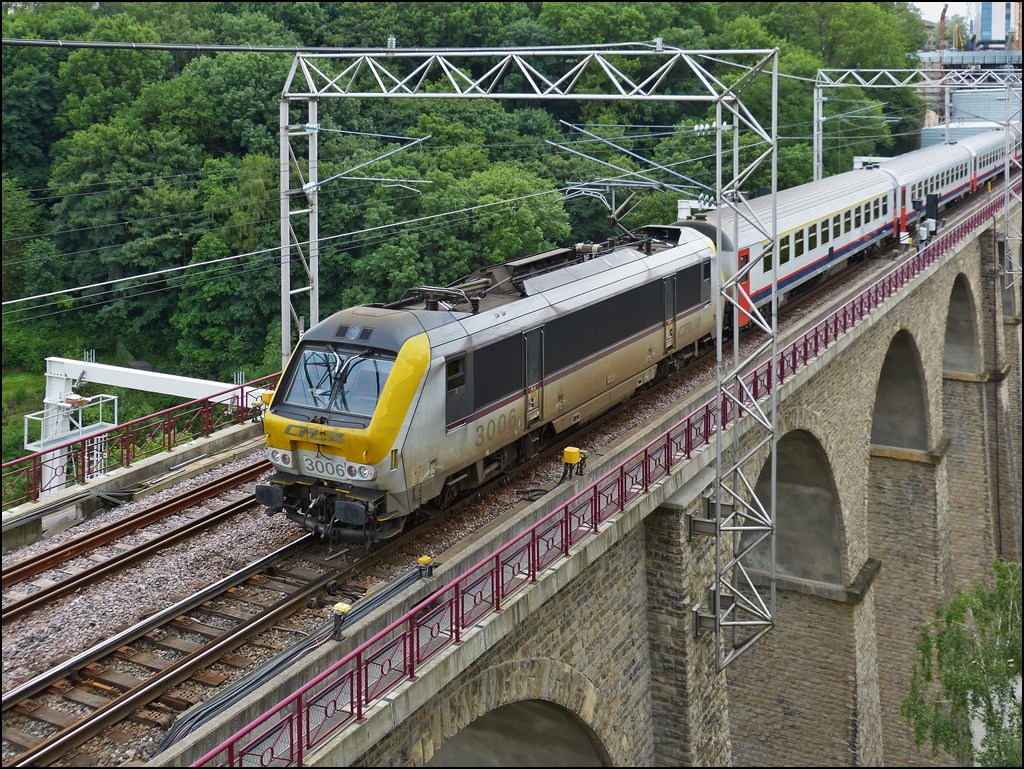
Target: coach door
[669, 294]
[533, 363]
[744, 295]
[903, 208]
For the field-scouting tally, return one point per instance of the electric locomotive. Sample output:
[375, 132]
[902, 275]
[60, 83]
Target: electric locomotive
[387, 411]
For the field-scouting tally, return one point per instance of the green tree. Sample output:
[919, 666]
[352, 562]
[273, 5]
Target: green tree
[220, 327]
[32, 90]
[101, 83]
[21, 220]
[969, 666]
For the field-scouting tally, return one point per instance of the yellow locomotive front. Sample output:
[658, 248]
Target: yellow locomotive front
[335, 425]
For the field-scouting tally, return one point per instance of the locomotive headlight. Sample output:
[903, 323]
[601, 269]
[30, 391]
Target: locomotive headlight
[278, 457]
[365, 473]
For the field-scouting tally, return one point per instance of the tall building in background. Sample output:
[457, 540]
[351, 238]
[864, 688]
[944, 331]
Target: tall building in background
[988, 25]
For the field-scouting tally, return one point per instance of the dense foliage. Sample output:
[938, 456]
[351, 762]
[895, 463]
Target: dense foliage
[965, 691]
[123, 162]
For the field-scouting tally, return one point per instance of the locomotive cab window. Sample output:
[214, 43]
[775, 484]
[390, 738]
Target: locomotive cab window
[347, 382]
[457, 402]
[455, 373]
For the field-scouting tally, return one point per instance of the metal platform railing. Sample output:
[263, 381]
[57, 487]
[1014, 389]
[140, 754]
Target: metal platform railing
[74, 461]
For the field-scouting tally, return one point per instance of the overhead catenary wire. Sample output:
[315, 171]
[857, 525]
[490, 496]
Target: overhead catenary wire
[274, 250]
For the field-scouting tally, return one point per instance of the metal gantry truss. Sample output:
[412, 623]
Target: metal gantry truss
[742, 613]
[1008, 80]
[901, 78]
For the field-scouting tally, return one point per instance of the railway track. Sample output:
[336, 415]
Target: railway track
[100, 567]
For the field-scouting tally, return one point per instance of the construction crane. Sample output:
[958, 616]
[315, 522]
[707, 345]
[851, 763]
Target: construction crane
[942, 37]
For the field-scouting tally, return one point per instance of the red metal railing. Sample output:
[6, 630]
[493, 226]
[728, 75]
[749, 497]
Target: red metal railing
[343, 692]
[72, 463]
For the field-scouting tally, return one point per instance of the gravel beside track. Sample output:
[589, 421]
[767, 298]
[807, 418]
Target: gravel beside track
[75, 623]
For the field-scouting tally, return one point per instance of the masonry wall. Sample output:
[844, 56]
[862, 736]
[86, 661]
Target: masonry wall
[968, 467]
[905, 538]
[793, 696]
[1002, 365]
[905, 519]
[690, 701]
[586, 650]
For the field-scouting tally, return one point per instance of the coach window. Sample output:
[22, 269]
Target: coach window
[824, 231]
[878, 208]
[784, 250]
[812, 237]
[798, 244]
[835, 226]
[885, 206]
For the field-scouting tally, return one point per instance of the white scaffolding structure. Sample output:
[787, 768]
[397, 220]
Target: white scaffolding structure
[742, 613]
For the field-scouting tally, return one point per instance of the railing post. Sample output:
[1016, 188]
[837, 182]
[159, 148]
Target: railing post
[31, 483]
[458, 612]
[411, 648]
[359, 686]
[300, 733]
[496, 582]
[533, 555]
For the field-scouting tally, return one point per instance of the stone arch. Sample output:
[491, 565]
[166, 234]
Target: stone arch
[808, 527]
[532, 679]
[900, 415]
[962, 351]
[524, 733]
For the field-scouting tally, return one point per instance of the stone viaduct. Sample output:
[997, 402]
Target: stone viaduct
[899, 479]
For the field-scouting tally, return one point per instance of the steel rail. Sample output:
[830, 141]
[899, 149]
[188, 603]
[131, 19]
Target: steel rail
[57, 745]
[52, 557]
[122, 561]
[39, 683]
